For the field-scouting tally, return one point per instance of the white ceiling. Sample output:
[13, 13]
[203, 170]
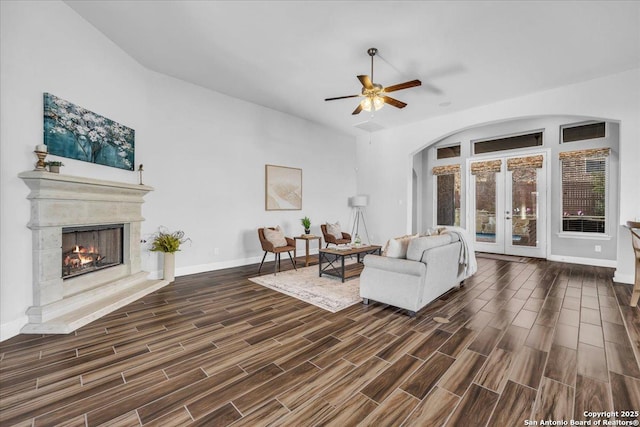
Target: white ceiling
[290, 55]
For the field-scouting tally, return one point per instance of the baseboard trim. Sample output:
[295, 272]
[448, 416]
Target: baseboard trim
[627, 279]
[584, 261]
[12, 328]
[203, 268]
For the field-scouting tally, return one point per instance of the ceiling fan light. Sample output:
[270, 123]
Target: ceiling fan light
[378, 103]
[366, 104]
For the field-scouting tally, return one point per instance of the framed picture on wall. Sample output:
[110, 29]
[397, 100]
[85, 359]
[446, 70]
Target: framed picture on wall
[77, 133]
[283, 188]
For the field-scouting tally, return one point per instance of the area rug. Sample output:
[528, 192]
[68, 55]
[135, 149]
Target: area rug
[510, 258]
[328, 293]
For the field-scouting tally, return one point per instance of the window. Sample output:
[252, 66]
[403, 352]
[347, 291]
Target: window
[584, 190]
[582, 132]
[508, 143]
[447, 194]
[448, 152]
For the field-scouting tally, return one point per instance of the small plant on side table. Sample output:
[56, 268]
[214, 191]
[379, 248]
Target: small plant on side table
[306, 223]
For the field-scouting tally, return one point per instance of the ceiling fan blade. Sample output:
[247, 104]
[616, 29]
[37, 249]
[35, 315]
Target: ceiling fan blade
[394, 102]
[405, 85]
[342, 97]
[366, 82]
[357, 110]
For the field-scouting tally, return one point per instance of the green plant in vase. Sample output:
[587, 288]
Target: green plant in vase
[169, 243]
[54, 166]
[306, 223]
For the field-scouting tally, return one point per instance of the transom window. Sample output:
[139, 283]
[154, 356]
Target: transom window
[533, 139]
[583, 132]
[448, 152]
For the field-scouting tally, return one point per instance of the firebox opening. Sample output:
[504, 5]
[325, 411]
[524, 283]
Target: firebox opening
[91, 248]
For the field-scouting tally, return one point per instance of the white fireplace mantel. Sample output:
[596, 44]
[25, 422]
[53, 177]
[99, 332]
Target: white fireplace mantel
[58, 201]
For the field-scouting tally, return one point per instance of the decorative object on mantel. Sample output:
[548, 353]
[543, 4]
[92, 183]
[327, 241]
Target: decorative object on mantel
[306, 223]
[54, 166]
[169, 243]
[41, 152]
[634, 227]
[283, 188]
[140, 170]
[77, 133]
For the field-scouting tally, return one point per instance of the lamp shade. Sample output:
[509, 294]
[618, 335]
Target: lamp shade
[358, 201]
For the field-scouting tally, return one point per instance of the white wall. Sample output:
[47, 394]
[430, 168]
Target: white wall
[203, 152]
[385, 159]
[206, 158]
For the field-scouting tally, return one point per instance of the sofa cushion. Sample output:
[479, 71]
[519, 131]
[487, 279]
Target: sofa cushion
[275, 237]
[335, 230]
[397, 248]
[417, 246]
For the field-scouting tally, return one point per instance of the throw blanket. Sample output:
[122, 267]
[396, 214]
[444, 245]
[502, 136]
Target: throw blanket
[467, 260]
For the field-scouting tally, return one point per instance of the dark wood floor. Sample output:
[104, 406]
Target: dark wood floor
[537, 340]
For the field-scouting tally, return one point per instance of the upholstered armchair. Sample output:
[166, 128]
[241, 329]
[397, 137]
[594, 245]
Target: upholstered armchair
[330, 238]
[276, 244]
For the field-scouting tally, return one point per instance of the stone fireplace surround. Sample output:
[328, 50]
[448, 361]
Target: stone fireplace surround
[57, 201]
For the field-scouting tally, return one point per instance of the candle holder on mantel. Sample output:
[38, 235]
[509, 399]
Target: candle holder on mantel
[40, 166]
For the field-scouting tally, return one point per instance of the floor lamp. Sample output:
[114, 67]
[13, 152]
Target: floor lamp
[358, 203]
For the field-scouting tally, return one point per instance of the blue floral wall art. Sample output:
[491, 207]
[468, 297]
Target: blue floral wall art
[77, 133]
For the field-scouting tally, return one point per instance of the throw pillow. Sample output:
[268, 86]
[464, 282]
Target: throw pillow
[275, 237]
[397, 248]
[418, 247]
[334, 230]
[429, 232]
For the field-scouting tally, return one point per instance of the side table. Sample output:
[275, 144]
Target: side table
[634, 227]
[306, 238]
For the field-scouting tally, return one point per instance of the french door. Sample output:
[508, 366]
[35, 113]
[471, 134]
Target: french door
[508, 204]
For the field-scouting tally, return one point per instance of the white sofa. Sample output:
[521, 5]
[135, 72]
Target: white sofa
[432, 267]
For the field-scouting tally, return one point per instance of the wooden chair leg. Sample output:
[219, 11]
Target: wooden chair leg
[263, 258]
[292, 263]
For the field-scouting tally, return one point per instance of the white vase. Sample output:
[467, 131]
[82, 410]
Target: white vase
[169, 267]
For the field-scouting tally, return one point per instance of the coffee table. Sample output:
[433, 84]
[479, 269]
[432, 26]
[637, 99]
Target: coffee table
[333, 260]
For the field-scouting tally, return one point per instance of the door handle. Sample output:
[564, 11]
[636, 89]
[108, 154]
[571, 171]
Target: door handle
[508, 217]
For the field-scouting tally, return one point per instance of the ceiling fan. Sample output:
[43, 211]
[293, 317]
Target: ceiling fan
[375, 96]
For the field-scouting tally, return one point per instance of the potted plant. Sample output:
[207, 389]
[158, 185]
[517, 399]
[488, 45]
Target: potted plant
[54, 166]
[169, 243]
[306, 223]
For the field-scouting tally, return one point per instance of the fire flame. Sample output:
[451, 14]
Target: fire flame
[84, 256]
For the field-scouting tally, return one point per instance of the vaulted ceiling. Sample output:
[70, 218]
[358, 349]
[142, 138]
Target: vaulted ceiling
[291, 55]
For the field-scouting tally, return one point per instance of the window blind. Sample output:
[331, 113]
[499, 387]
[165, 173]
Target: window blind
[584, 176]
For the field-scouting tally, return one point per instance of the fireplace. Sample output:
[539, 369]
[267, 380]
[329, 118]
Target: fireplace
[70, 240]
[90, 248]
